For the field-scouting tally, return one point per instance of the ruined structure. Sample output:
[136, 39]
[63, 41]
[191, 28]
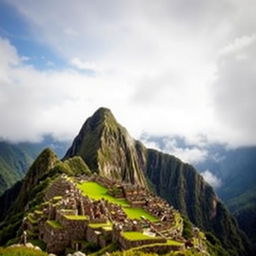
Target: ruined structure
[69, 218]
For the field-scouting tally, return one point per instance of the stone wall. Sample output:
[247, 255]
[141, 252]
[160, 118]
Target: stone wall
[59, 188]
[127, 244]
[56, 239]
[161, 249]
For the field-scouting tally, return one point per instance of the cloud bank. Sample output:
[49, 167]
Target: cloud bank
[173, 68]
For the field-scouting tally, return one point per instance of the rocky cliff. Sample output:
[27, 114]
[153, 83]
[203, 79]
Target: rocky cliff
[108, 149]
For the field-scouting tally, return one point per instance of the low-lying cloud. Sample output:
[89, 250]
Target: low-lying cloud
[210, 178]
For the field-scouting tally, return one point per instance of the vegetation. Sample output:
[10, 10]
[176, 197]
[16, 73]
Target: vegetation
[134, 236]
[97, 192]
[21, 251]
[141, 253]
[54, 224]
[107, 249]
[76, 217]
[186, 190]
[136, 213]
[100, 225]
[187, 228]
[14, 162]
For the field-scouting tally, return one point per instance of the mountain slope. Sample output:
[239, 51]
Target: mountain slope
[15, 159]
[107, 149]
[182, 186]
[30, 192]
[13, 164]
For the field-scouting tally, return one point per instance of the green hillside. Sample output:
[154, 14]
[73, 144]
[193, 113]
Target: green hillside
[15, 159]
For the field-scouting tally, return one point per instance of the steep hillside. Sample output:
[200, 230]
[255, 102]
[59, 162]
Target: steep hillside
[182, 186]
[109, 150]
[13, 164]
[15, 159]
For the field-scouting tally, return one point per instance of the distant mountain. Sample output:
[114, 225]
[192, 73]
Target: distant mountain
[237, 170]
[15, 159]
[107, 149]
[233, 169]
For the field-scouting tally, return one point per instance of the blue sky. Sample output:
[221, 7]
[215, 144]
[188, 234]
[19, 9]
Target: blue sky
[165, 68]
[16, 28]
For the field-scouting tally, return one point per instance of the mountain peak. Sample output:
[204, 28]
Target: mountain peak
[103, 116]
[103, 110]
[107, 148]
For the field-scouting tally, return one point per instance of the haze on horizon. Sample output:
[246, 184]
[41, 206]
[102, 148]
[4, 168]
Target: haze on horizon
[164, 68]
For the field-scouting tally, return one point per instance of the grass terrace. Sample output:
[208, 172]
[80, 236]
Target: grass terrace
[97, 192]
[38, 212]
[31, 218]
[136, 213]
[134, 236]
[76, 217]
[169, 242]
[54, 224]
[107, 225]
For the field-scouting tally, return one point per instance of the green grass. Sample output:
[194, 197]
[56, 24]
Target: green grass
[76, 217]
[100, 225]
[134, 236]
[136, 213]
[21, 251]
[54, 224]
[31, 219]
[38, 212]
[173, 242]
[56, 198]
[103, 251]
[97, 192]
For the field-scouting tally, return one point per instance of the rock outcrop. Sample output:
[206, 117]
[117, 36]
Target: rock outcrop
[108, 149]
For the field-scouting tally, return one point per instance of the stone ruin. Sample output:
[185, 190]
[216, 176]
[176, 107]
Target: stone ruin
[67, 218]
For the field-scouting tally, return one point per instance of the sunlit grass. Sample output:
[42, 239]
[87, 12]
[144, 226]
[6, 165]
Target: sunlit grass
[134, 236]
[97, 192]
[21, 251]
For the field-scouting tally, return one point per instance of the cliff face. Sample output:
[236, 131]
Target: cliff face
[185, 189]
[108, 149]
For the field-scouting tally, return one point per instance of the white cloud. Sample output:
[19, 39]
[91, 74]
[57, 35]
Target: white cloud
[190, 155]
[211, 178]
[84, 65]
[33, 102]
[234, 92]
[154, 65]
[238, 44]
